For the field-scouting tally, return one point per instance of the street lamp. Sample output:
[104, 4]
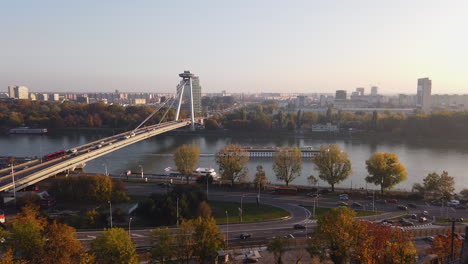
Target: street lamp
[105, 169]
[227, 230]
[141, 167]
[453, 221]
[177, 220]
[129, 221]
[14, 183]
[110, 212]
[242, 208]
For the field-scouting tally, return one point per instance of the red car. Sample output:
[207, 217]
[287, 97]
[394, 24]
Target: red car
[393, 201]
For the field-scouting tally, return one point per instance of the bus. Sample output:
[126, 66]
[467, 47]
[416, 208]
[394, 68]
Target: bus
[55, 155]
[285, 190]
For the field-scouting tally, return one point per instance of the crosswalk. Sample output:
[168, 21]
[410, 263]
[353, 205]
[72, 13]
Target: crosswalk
[309, 221]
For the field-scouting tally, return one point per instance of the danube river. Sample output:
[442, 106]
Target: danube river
[419, 156]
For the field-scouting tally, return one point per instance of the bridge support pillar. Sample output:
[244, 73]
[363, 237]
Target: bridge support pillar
[186, 80]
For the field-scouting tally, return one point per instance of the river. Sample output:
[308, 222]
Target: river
[419, 156]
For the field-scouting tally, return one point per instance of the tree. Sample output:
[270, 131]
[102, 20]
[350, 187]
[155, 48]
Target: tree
[231, 160]
[208, 240]
[62, 245]
[260, 178]
[385, 170]
[162, 248]
[441, 185]
[332, 164]
[7, 258]
[442, 245]
[464, 193]
[114, 246]
[186, 159]
[184, 242]
[400, 248]
[204, 210]
[26, 237]
[287, 164]
[211, 124]
[277, 246]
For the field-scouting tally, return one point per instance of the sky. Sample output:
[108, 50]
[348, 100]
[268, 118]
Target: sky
[245, 46]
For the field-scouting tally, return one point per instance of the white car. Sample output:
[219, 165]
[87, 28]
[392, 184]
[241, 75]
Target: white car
[344, 197]
[453, 203]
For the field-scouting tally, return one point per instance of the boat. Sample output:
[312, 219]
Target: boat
[267, 152]
[197, 172]
[28, 130]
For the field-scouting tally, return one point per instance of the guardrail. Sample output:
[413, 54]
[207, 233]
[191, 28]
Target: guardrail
[72, 162]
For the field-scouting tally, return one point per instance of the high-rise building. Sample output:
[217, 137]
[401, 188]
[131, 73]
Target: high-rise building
[55, 97]
[196, 90]
[340, 95]
[18, 92]
[424, 94]
[43, 96]
[374, 90]
[360, 91]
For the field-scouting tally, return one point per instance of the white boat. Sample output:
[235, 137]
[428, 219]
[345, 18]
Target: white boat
[197, 172]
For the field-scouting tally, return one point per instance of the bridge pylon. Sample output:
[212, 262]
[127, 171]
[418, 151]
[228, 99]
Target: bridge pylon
[186, 82]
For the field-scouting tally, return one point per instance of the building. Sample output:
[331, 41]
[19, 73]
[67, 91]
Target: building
[18, 92]
[43, 96]
[32, 96]
[55, 97]
[360, 91]
[139, 101]
[374, 90]
[197, 91]
[424, 94]
[82, 99]
[328, 127]
[340, 95]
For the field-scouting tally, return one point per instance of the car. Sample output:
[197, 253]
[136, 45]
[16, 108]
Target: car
[422, 219]
[313, 195]
[357, 205]
[2, 217]
[425, 213]
[429, 239]
[414, 216]
[299, 226]
[402, 207]
[344, 197]
[381, 201]
[245, 235]
[110, 143]
[406, 223]
[461, 206]
[392, 201]
[453, 203]
[341, 203]
[99, 146]
[132, 134]
[72, 150]
[412, 205]
[436, 203]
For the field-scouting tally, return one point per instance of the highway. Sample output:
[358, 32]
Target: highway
[31, 173]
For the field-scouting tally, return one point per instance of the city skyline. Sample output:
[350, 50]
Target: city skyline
[264, 46]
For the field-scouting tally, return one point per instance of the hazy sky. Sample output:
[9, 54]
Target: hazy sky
[238, 46]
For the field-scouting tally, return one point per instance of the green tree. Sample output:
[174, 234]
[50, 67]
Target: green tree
[260, 179]
[277, 246]
[385, 170]
[332, 164]
[186, 159]
[440, 185]
[231, 160]
[114, 246]
[208, 240]
[162, 245]
[287, 164]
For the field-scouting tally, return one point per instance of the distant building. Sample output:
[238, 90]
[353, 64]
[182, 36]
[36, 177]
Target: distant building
[43, 96]
[340, 95]
[328, 127]
[18, 92]
[55, 97]
[374, 90]
[32, 96]
[139, 101]
[360, 91]
[82, 99]
[424, 94]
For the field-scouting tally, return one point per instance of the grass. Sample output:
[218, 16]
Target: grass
[252, 213]
[319, 211]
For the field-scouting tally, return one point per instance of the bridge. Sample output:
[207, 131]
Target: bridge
[24, 175]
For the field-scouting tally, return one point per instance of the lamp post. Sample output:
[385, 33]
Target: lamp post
[14, 183]
[110, 212]
[453, 221]
[227, 230]
[242, 208]
[177, 213]
[141, 167]
[105, 169]
[129, 221]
